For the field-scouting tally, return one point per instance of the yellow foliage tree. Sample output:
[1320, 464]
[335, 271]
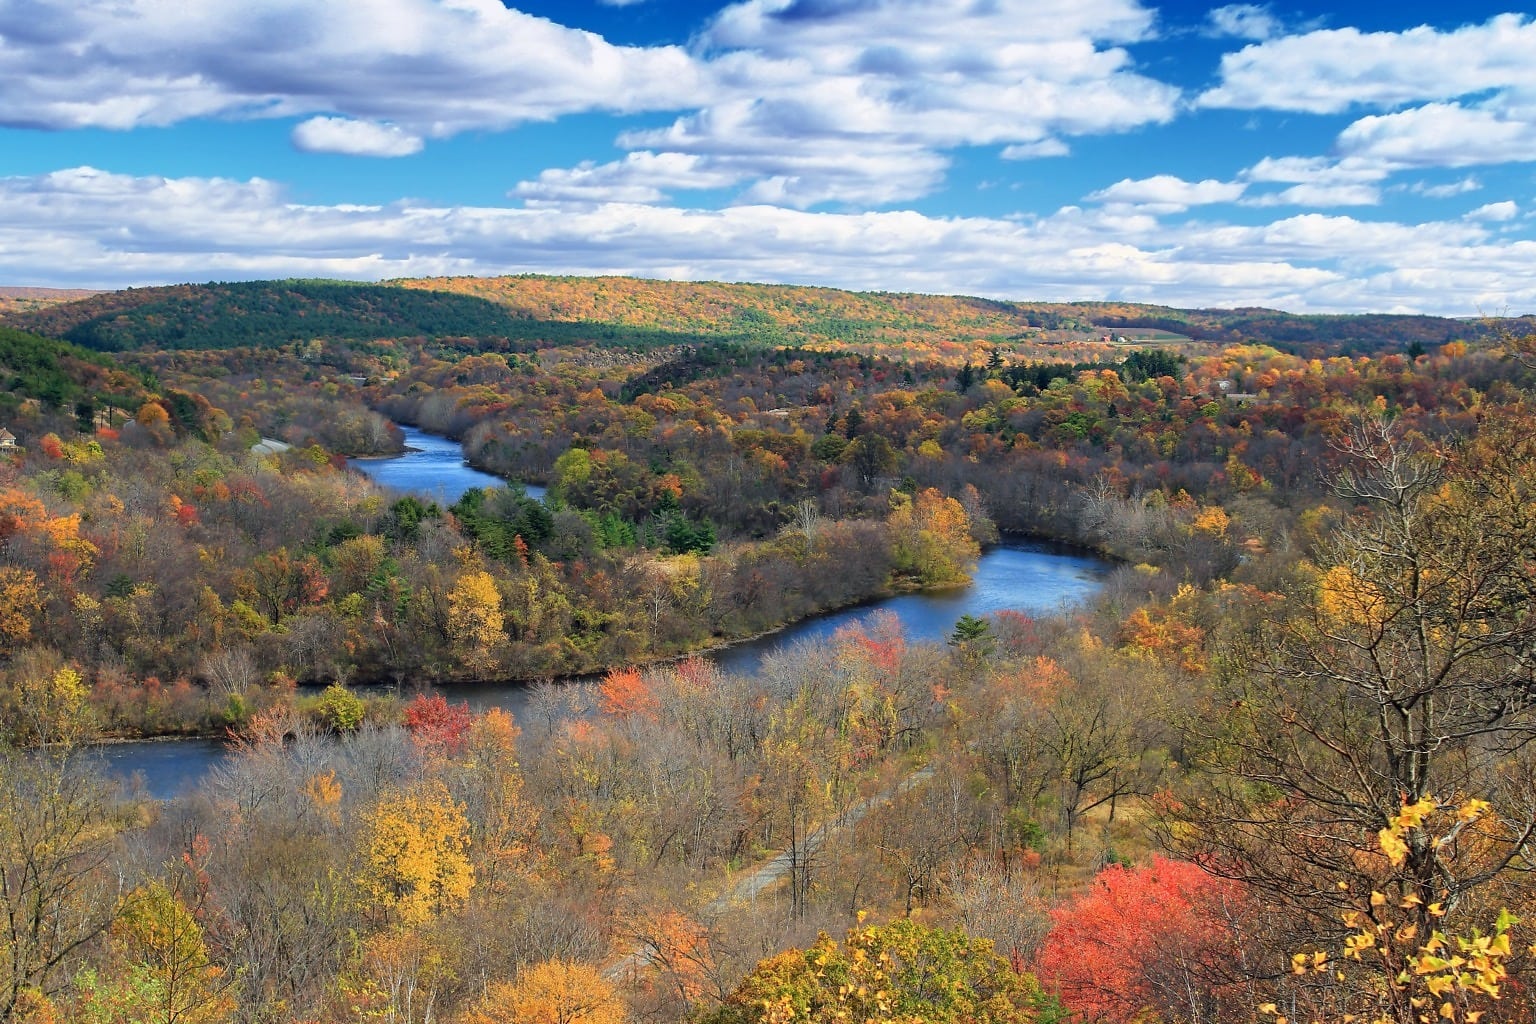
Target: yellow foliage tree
[21, 601]
[475, 621]
[505, 823]
[166, 973]
[415, 854]
[45, 702]
[1390, 969]
[932, 538]
[553, 992]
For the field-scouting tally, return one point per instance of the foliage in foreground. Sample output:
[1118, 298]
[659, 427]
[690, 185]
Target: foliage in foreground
[903, 972]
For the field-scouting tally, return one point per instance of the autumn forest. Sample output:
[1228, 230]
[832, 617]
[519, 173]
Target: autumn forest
[1279, 768]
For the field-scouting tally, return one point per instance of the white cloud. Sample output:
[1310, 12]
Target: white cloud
[1035, 150]
[109, 229]
[893, 84]
[1244, 21]
[1331, 70]
[641, 177]
[354, 138]
[1317, 194]
[801, 101]
[1315, 170]
[1447, 189]
[431, 67]
[1169, 193]
[1441, 135]
[1507, 210]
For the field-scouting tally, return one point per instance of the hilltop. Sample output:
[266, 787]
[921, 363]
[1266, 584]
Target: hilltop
[263, 313]
[531, 311]
[25, 299]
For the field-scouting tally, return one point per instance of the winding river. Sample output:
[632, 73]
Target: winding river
[1026, 576]
[433, 467]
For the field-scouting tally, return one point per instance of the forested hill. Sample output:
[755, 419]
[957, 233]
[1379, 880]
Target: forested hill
[820, 317]
[216, 316]
[57, 374]
[1368, 332]
[533, 311]
[787, 314]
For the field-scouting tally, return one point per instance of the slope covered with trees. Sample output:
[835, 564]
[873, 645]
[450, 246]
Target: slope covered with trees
[264, 313]
[1280, 767]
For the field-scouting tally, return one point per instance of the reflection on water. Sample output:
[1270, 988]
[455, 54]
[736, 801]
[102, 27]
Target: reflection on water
[1029, 577]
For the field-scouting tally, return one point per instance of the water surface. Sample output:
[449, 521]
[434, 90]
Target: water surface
[432, 467]
[1031, 577]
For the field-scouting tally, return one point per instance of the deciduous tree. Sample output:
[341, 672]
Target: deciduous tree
[902, 972]
[415, 854]
[1164, 938]
[1405, 667]
[553, 992]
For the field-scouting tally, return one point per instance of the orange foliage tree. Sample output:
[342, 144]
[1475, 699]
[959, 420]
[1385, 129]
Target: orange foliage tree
[553, 992]
[624, 693]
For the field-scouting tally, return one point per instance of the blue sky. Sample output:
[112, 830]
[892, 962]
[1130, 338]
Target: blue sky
[1349, 157]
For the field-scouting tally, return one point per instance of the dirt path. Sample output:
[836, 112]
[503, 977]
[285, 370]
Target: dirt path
[774, 870]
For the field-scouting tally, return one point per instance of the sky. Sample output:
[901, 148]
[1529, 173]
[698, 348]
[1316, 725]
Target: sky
[1353, 156]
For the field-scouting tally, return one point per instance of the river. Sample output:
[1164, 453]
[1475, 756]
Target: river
[433, 467]
[1026, 576]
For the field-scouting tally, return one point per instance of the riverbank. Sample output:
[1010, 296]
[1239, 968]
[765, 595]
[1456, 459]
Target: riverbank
[1032, 577]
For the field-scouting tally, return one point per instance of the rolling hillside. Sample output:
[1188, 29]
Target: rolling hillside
[528, 312]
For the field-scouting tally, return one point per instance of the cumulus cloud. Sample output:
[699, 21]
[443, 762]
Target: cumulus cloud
[112, 229]
[1446, 189]
[1035, 150]
[1332, 70]
[1319, 195]
[1244, 21]
[641, 177]
[856, 102]
[1442, 135]
[891, 85]
[431, 67]
[803, 101]
[354, 138]
[1315, 170]
[1169, 193]
[1507, 210]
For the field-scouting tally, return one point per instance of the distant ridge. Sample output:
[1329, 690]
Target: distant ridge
[261, 313]
[60, 294]
[829, 316]
[530, 311]
[22, 298]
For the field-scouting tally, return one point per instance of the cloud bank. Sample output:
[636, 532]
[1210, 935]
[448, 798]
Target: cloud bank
[116, 229]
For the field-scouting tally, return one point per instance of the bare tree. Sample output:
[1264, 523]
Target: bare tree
[1405, 668]
[58, 891]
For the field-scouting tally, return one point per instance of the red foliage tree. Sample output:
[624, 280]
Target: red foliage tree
[1164, 937]
[436, 725]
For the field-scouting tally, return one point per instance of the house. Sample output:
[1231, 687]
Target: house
[7, 440]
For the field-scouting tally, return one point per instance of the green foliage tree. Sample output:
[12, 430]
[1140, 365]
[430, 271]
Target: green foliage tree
[340, 709]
